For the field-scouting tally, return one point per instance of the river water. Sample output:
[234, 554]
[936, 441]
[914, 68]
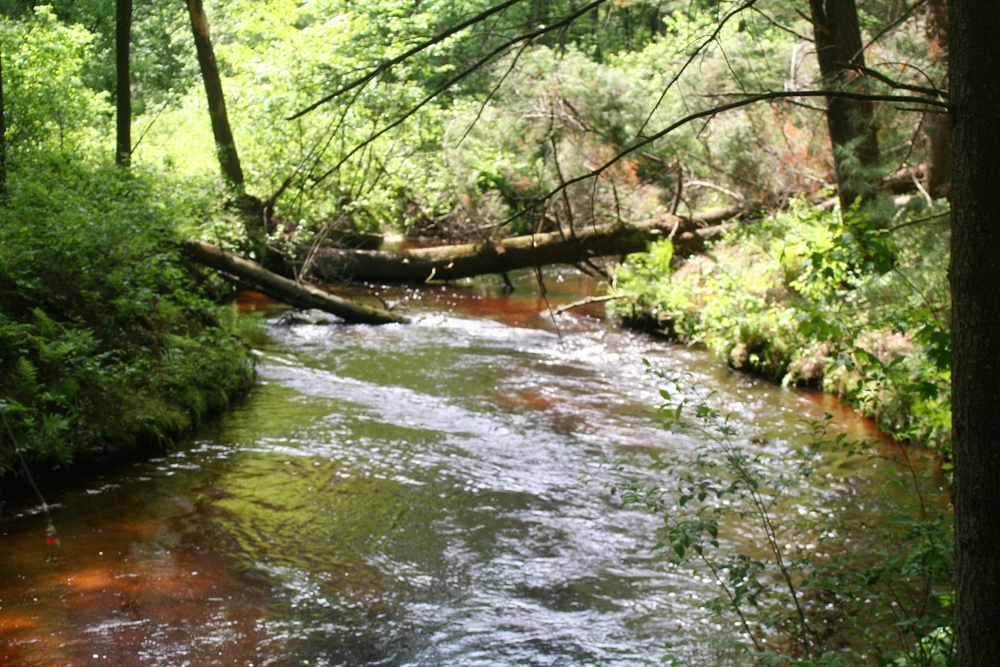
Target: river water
[431, 494]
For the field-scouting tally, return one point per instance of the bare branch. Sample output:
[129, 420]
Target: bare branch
[875, 74]
[495, 53]
[707, 113]
[392, 62]
[773, 21]
[587, 301]
[902, 18]
[493, 92]
[917, 221]
[691, 57]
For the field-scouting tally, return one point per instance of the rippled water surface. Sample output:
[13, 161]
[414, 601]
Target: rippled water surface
[432, 494]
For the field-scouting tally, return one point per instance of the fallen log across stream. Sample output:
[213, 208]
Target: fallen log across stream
[285, 290]
[451, 262]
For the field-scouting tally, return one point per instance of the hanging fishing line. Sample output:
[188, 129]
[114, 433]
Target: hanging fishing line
[51, 535]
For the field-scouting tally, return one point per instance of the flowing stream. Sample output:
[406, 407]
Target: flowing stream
[434, 494]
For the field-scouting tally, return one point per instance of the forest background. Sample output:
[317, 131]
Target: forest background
[350, 118]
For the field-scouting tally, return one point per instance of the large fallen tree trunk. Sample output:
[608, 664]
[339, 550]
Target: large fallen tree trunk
[283, 289]
[472, 259]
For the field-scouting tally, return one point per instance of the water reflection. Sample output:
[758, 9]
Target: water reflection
[430, 494]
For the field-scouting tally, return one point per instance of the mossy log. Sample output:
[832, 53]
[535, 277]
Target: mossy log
[452, 262]
[283, 289]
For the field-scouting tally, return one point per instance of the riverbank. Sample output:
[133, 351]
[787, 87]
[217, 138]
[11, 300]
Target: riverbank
[813, 298]
[110, 344]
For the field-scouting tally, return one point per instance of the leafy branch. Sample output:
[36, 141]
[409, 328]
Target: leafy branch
[406, 55]
[500, 50]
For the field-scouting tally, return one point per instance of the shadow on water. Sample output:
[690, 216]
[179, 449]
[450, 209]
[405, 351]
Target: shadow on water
[428, 494]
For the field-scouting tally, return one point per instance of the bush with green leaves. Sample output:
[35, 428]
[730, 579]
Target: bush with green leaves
[48, 105]
[107, 342]
[817, 298]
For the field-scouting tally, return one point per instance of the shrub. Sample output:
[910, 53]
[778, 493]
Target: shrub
[105, 341]
[746, 518]
[817, 298]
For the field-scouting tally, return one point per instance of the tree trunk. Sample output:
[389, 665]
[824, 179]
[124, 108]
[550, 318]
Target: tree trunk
[975, 283]
[936, 126]
[225, 145]
[938, 132]
[123, 101]
[3, 137]
[851, 123]
[283, 289]
[452, 262]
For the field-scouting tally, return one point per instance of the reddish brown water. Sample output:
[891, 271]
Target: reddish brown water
[430, 494]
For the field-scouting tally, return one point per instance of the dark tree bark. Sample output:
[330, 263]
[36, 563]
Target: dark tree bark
[123, 101]
[975, 285]
[3, 138]
[938, 132]
[851, 122]
[937, 128]
[225, 145]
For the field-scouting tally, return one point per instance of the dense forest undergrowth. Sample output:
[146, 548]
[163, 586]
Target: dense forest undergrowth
[464, 122]
[815, 298]
[109, 344]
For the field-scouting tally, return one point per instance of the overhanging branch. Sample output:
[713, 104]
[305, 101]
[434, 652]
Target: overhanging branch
[495, 53]
[442, 36]
[694, 54]
[706, 113]
[892, 83]
[392, 62]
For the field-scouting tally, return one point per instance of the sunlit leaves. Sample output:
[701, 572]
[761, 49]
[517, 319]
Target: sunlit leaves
[48, 106]
[102, 332]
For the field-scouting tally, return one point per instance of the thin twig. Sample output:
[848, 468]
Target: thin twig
[916, 221]
[392, 62]
[586, 302]
[902, 17]
[714, 111]
[492, 55]
[691, 57]
[875, 74]
[496, 88]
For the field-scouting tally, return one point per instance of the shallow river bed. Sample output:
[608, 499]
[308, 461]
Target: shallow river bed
[433, 494]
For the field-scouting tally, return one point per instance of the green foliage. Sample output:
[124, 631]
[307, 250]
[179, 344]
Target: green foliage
[557, 116]
[105, 343]
[821, 302]
[821, 299]
[48, 106]
[798, 593]
[546, 112]
[160, 65]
